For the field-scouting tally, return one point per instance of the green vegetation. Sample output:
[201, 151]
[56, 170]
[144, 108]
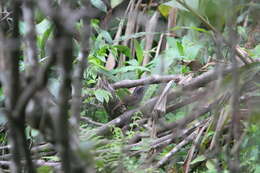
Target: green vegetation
[130, 86]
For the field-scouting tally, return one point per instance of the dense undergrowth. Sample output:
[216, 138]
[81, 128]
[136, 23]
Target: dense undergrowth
[130, 86]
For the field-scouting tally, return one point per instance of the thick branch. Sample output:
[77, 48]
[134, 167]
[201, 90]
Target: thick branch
[155, 79]
[118, 122]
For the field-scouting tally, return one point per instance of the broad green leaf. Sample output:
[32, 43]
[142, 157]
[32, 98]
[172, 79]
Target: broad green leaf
[217, 12]
[106, 36]
[133, 62]
[43, 26]
[191, 49]
[45, 169]
[43, 40]
[99, 5]
[102, 95]
[171, 4]
[255, 53]
[115, 3]
[164, 9]
[34, 133]
[210, 165]
[200, 158]
[124, 49]
[96, 61]
[139, 52]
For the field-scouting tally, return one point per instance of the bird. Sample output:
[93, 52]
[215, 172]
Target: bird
[135, 98]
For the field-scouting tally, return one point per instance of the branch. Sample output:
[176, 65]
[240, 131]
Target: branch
[31, 60]
[197, 82]
[16, 123]
[155, 79]
[176, 149]
[39, 83]
[64, 58]
[78, 75]
[88, 120]
[186, 101]
[118, 122]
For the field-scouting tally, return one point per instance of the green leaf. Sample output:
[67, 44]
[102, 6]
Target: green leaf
[22, 27]
[255, 53]
[45, 169]
[200, 158]
[39, 16]
[133, 62]
[1, 95]
[106, 36]
[129, 68]
[52, 158]
[43, 26]
[191, 49]
[198, 29]
[34, 133]
[102, 95]
[210, 165]
[164, 9]
[169, 5]
[43, 41]
[124, 49]
[135, 35]
[115, 3]
[95, 23]
[99, 5]
[242, 31]
[185, 69]
[217, 11]
[139, 52]
[180, 48]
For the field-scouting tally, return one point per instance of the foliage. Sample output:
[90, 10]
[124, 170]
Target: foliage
[203, 35]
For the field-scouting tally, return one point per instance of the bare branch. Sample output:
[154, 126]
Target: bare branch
[155, 79]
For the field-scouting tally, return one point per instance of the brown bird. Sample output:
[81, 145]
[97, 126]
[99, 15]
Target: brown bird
[135, 98]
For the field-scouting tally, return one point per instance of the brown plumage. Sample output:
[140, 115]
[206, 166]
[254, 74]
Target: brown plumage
[135, 98]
